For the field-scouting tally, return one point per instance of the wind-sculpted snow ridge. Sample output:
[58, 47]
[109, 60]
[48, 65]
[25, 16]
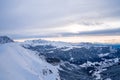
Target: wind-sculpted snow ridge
[17, 63]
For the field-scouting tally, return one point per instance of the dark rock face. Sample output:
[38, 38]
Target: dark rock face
[53, 60]
[112, 72]
[72, 72]
[5, 39]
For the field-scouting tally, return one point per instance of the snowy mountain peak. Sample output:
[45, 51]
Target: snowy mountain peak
[5, 39]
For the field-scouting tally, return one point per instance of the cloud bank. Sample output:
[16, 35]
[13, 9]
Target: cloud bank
[46, 18]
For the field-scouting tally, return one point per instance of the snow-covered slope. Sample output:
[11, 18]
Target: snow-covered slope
[17, 63]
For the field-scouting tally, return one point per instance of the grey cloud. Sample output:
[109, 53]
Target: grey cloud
[106, 32]
[90, 23]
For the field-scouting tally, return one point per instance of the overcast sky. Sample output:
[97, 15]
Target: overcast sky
[48, 18]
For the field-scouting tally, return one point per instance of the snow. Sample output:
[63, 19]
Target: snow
[71, 59]
[56, 44]
[67, 49]
[97, 74]
[87, 64]
[103, 55]
[17, 63]
[108, 79]
[50, 51]
[103, 66]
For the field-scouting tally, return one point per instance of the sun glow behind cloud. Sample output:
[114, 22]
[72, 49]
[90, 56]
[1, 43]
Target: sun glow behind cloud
[76, 28]
[93, 39]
